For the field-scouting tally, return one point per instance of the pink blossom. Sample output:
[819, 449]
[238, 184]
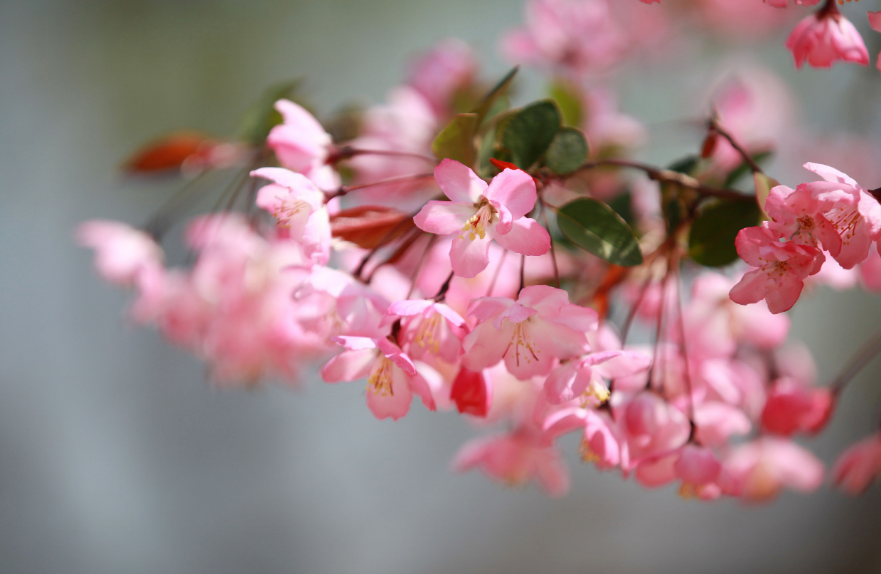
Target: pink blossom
[651, 425]
[794, 408]
[301, 144]
[480, 214]
[854, 213]
[756, 471]
[122, 253]
[528, 333]
[699, 470]
[392, 378]
[517, 458]
[782, 268]
[428, 328]
[601, 444]
[583, 378]
[822, 39]
[858, 466]
[716, 422]
[798, 215]
[299, 207]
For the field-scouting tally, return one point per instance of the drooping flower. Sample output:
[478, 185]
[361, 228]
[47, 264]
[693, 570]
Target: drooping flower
[428, 328]
[824, 38]
[601, 443]
[792, 408]
[479, 213]
[301, 144]
[122, 253]
[392, 379]
[299, 207]
[528, 334]
[517, 458]
[758, 470]
[472, 392]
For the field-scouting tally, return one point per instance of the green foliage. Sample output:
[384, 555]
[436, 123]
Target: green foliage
[528, 133]
[485, 108]
[567, 151]
[261, 117]
[456, 140]
[594, 226]
[569, 99]
[711, 240]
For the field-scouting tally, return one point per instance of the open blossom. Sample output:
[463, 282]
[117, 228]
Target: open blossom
[517, 458]
[583, 378]
[601, 443]
[528, 334]
[798, 215]
[391, 375]
[479, 213]
[301, 144]
[824, 38]
[122, 252]
[651, 425]
[428, 328]
[782, 269]
[299, 207]
[859, 465]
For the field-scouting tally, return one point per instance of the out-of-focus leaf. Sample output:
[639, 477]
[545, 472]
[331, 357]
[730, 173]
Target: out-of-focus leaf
[592, 225]
[569, 99]
[528, 133]
[166, 153]
[367, 225]
[741, 170]
[483, 109]
[262, 116]
[456, 140]
[763, 189]
[687, 165]
[711, 240]
[567, 152]
[622, 204]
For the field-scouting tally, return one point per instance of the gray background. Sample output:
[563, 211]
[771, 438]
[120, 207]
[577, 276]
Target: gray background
[116, 456]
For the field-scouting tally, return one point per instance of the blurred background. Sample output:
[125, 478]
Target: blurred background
[117, 456]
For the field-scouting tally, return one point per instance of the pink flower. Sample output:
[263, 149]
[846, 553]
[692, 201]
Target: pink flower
[428, 328]
[858, 466]
[651, 425]
[391, 375]
[516, 458]
[479, 213]
[528, 333]
[601, 444]
[583, 378]
[299, 206]
[855, 214]
[302, 145]
[699, 470]
[122, 253]
[794, 408]
[782, 268]
[716, 422]
[822, 39]
[756, 471]
[798, 215]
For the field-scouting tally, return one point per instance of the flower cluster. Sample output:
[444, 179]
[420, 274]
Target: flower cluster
[445, 246]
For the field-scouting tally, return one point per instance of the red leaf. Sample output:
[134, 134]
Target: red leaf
[167, 153]
[368, 225]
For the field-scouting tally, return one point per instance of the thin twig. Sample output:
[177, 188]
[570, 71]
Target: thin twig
[859, 360]
[715, 126]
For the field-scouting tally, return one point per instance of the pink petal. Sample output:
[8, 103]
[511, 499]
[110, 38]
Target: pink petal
[515, 189]
[469, 257]
[444, 217]
[526, 237]
[394, 405]
[458, 182]
[349, 366]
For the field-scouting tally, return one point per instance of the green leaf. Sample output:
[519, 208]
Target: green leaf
[456, 140]
[738, 172]
[622, 204]
[687, 165]
[530, 131]
[711, 240]
[592, 225]
[483, 109]
[569, 100]
[763, 189]
[567, 151]
[261, 117]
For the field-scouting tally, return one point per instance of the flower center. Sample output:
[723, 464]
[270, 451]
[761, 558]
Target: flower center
[521, 339]
[476, 226]
[845, 221]
[287, 208]
[428, 333]
[380, 380]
